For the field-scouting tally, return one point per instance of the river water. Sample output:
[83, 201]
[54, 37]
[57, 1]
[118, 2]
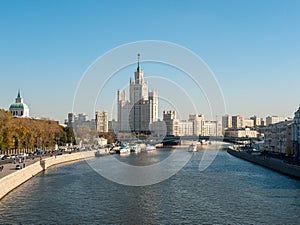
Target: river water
[230, 190]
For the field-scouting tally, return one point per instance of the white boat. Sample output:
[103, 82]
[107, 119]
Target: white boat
[135, 148]
[150, 148]
[124, 150]
[192, 148]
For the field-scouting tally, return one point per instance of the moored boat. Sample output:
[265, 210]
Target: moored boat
[150, 148]
[124, 150]
[135, 148]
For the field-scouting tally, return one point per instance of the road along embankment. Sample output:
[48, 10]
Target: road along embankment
[15, 179]
[281, 167]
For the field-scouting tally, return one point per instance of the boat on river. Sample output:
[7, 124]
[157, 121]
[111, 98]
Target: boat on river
[124, 150]
[135, 148]
[150, 148]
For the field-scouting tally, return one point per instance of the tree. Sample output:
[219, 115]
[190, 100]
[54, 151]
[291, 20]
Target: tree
[27, 134]
[5, 136]
[69, 136]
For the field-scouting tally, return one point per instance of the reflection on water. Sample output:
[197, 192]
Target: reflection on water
[229, 191]
[145, 158]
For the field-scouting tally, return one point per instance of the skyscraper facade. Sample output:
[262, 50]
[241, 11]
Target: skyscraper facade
[101, 120]
[141, 110]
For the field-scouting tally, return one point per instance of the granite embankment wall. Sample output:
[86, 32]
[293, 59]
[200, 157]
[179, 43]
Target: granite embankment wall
[281, 167]
[13, 180]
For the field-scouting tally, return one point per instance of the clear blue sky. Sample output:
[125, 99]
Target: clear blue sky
[253, 47]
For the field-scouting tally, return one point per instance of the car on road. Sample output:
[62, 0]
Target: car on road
[14, 156]
[5, 157]
[18, 167]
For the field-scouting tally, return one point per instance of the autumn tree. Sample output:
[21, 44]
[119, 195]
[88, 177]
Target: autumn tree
[5, 136]
[26, 134]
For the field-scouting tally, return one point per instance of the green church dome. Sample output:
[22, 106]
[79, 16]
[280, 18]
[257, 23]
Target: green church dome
[18, 106]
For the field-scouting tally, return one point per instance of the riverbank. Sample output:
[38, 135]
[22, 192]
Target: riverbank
[273, 164]
[16, 178]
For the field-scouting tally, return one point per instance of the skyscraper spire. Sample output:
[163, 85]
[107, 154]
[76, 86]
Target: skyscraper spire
[138, 68]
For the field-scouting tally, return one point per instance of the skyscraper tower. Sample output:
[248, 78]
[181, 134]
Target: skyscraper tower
[138, 87]
[141, 110]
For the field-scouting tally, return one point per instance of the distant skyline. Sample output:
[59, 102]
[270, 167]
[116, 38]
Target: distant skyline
[252, 47]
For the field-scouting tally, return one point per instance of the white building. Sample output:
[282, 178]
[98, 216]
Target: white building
[171, 121]
[101, 141]
[274, 119]
[248, 123]
[124, 108]
[198, 122]
[79, 119]
[19, 108]
[278, 137]
[141, 110]
[185, 128]
[209, 128]
[238, 121]
[101, 121]
[241, 132]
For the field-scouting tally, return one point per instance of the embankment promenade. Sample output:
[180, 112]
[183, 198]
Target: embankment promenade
[15, 179]
[281, 167]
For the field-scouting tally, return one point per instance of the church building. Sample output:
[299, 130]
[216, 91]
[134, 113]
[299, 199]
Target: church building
[19, 108]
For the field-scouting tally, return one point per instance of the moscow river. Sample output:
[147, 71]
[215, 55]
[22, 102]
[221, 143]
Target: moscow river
[230, 190]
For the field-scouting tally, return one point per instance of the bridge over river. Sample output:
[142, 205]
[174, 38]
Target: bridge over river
[170, 140]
